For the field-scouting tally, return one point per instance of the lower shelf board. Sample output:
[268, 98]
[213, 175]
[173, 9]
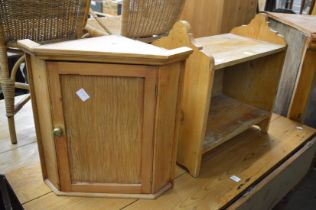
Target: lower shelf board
[228, 118]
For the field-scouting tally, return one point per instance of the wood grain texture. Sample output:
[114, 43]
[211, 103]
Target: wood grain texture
[249, 156]
[259, 29]
[272, 189]
[256, 82]
[231, 49]
[246, 157]
[28, 63]
[228, 118]
[298, 74]
[112, 99]
[217, 16]
[20, 157]
[54, 202]
[43, 117]
[165, 126]
[113, 49]
[292, 65]
[198, 79]
[302, 92]
[128, 102]
[28, 177]
[106, 144]
[246, 62]
[304, 23]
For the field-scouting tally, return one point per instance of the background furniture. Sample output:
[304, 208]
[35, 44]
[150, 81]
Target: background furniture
[42, 21]
[140, 19]
[287, 6]
[228, 88]
[217, 16]
[112, 105]
[109, 7]
[295, 97]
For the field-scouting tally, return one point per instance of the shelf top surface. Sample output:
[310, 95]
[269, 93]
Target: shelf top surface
[231, 49]
[105, 47]
[304, 23]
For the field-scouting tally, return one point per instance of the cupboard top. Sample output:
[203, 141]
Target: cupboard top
[114, 49]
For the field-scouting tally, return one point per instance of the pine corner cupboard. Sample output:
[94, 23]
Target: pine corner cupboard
[106, 113]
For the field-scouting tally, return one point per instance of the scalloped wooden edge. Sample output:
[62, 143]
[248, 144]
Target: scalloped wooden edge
[198, 79]
[259, 29]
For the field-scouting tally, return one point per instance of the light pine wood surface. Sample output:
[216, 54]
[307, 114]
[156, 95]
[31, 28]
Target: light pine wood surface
[231, 49]
[197, 81]
[217, 16]
[298, 76]
[119, 129]
[244, 65]
[113, 48]
[305, 23]
[212, 190]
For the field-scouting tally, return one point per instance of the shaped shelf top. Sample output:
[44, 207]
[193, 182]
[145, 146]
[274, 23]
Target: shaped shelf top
[113, 48]
[230, 49]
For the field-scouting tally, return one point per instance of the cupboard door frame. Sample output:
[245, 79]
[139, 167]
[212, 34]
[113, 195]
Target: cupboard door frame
[150, 75]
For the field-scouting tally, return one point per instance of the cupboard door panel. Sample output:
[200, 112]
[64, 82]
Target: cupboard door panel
[93, 144]
[106, 117]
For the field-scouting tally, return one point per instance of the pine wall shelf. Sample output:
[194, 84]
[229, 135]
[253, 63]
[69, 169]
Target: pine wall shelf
[106, 113]
[230, 84]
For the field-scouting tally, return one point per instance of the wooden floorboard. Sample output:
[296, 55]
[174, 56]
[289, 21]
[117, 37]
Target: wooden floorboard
[248, 156]
[28, 183]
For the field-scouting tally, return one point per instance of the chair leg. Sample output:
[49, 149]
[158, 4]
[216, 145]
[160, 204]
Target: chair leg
[12, 130]
[8, 88]
[8, 92]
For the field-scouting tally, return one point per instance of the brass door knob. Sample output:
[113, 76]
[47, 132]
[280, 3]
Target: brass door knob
[58, 132]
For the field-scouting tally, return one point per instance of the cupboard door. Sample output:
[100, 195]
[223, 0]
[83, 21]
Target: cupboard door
[103, 119]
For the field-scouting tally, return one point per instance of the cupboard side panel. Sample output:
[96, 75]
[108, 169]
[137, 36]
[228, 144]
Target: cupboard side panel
[42, 114]
[165, 136]
[35, 114]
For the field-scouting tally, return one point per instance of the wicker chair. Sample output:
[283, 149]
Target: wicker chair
[141, 19]
[39, 20]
